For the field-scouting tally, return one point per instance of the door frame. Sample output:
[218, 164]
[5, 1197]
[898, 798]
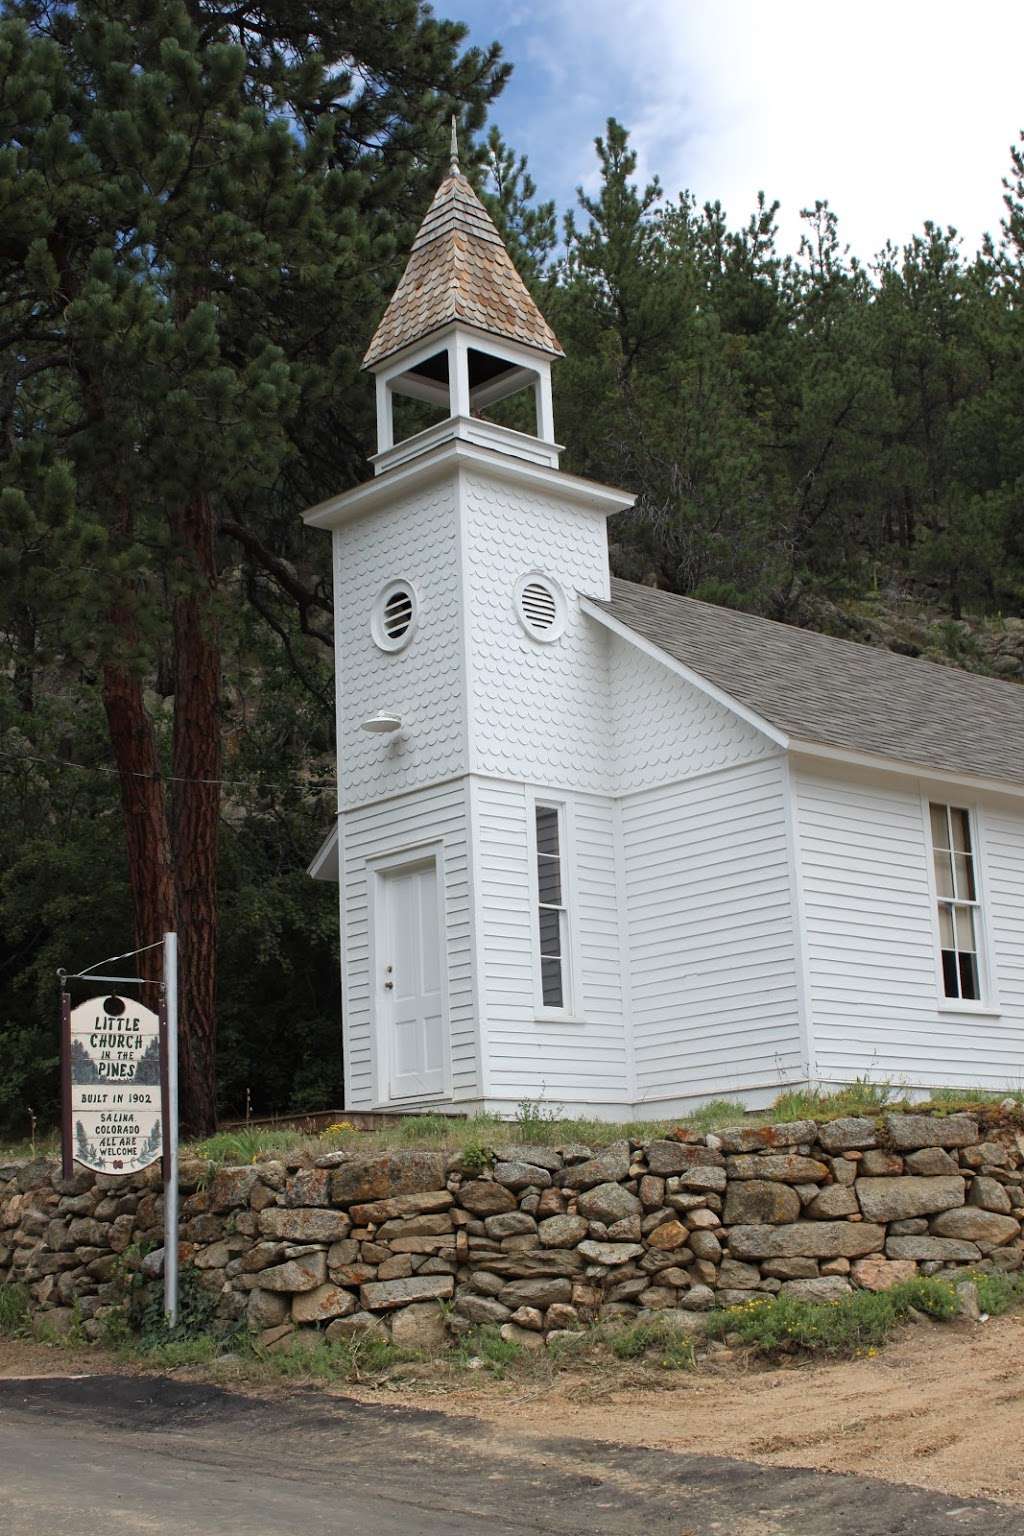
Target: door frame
[397, 861]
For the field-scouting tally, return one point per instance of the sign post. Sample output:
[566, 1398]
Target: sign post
[119, 1089]
[171, 1123]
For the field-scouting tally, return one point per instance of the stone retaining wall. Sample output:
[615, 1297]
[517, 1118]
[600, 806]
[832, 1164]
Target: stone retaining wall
[541, 1239]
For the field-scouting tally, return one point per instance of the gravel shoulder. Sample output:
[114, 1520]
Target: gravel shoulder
[940, 1409]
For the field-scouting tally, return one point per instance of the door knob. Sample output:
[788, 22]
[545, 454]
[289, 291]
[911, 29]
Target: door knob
[388, 983]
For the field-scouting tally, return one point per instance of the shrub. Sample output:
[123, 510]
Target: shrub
[657, 1342]
[998, 1293]
[349, 1359]
[848, 1326]
[475, 1158]
[486, 1344]
[242, 1146]
[14, 1310]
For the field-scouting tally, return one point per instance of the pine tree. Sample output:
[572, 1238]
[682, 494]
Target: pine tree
[198, 215]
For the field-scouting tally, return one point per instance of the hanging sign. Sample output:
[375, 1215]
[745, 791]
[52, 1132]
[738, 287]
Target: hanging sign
[113, 1077]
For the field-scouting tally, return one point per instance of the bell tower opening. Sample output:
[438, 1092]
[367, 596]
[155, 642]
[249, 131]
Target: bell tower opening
[460, 337]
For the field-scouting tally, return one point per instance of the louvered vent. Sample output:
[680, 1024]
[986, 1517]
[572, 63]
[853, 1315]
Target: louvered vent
[539, 607]
[397, 614]
[393, 619]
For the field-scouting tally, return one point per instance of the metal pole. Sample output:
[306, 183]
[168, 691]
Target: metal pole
[171, 1133]
[67, 1156]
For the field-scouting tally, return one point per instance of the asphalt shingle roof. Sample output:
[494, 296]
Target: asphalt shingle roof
[837, 693]
[459, 270]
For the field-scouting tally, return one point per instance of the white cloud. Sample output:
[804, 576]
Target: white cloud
[895, 110]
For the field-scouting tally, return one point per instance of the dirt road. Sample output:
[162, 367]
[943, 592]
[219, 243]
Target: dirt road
[148, 1456]
[941, 1407]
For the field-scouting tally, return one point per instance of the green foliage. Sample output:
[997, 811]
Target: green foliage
[486, 1345]
[201, 222]
[851, 1325]
[14, 1310]
[997, 1293]
[236, 1148]
[475, 1158]
[360, 1357]
[197, 1312]
[861, 1097]
[657, 1342]
[534, 1118]
[797, 428]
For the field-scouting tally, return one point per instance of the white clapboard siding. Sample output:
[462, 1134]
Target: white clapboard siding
[437, 814]
[712, 963]
[559, 1062]
[875, 1006]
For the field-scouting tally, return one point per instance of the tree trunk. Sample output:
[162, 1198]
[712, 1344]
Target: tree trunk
[143, 801]
[143, 793]
[195, 824]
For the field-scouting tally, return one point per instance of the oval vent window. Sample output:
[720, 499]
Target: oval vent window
[394, 616]
[540, 606]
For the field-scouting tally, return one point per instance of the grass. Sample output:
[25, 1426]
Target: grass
[607, 1356]
[864, 1097]
[14, 1311]
[657, 1343]
[47, 1145]
[478, 1137]
[484, 1348]
[856, 1324]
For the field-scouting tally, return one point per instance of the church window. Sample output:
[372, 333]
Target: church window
[552, 913]
[956, 890]
[394, 616]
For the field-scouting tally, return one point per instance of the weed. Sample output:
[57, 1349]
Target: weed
[14, 1310]
[719, 1112]
[414, 1128]
[658, 1343]
[475, 1158]
[245, 1145]
[847, 1326]
[533, 1117]
[998, 1293]
[311, 1357]
[486, 1344]
[171, 1353]
[861, 1097]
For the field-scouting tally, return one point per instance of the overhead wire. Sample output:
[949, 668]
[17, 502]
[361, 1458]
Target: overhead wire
[169, 778]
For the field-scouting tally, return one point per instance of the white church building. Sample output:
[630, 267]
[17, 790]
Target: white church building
[613, 849]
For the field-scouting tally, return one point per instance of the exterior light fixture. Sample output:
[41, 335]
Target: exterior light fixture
[382, 723]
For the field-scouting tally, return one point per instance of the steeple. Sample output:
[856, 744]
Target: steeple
[461, 329]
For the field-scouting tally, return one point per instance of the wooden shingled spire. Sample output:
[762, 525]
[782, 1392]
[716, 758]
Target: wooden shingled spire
[459, 270]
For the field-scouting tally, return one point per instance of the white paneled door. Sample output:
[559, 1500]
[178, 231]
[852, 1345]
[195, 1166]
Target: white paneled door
[413, 995]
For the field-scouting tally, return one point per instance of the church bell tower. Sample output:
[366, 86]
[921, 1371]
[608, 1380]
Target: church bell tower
[462, 333]
[471, 688]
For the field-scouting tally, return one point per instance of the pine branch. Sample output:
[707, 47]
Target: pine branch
[304, 597]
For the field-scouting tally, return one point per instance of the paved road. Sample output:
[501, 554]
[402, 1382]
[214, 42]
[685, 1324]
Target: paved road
[148, 1456]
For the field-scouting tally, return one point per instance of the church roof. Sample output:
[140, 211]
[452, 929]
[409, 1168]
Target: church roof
[837, 693]
[459, 270]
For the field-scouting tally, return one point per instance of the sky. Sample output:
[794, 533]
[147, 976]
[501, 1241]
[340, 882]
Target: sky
[895, 112]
